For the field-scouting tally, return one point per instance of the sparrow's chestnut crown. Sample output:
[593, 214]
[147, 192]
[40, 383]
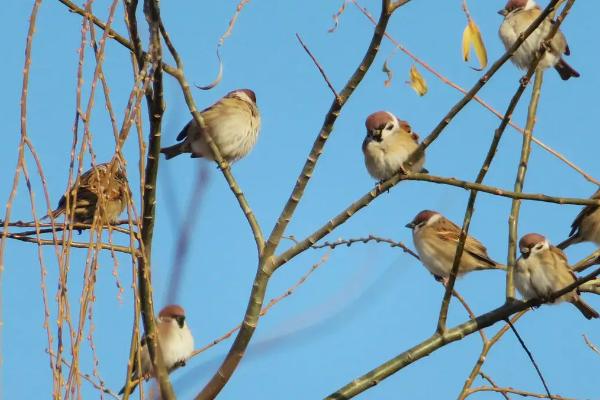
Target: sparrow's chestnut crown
[247, 92]
[378, 120]
[514, 4]
[421, 218]
[172, 311]
[530, 240]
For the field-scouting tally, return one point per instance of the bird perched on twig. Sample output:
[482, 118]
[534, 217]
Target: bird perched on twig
[436, 239]
[176, 344]
[233, 123]
[388, 145]
[585, 227]
[102, 189]
[518, 16]
[542, 270]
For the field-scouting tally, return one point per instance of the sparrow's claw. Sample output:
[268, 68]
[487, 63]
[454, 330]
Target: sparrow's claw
[524, 81]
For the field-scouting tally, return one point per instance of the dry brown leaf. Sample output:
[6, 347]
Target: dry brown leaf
[336, 17]
[389, 73]
[417, 82]
[472, 37]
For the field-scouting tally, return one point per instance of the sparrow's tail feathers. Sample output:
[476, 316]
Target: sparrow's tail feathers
[585, 309]
[175, 150]
[569, 241]
[495, 266]
[565, 70]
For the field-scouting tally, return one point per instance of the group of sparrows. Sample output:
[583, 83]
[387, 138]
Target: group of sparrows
[233, 123]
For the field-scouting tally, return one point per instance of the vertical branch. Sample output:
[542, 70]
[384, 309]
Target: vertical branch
[155, 111]
[513, 219]
[497, 136]
[155, 104]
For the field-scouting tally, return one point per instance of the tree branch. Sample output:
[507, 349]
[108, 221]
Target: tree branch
[438, 341]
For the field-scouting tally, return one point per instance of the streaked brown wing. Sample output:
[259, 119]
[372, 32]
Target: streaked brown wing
[451, 232]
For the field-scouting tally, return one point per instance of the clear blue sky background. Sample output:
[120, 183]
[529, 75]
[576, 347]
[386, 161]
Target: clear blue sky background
[368, 303]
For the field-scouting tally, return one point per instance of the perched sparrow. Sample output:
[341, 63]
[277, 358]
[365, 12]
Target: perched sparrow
[388, 144]
[543, 269]
[518, 16]
[436, 239]
[233, 123]
[586, 226]
[176, 343]
[98, 189]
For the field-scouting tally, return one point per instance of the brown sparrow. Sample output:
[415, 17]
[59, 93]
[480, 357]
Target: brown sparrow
[233, 123]
[98, 189]
[436, 239]
[518, 16]
[543, 269]
[586, 226]
[388, 144]
[176, 343]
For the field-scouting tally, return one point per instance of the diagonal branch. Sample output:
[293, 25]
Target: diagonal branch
[267, 264]
[438, 341]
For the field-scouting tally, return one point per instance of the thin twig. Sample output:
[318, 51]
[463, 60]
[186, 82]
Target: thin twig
[524, 346]
[370, 238]
[319, 67]
[505, 390]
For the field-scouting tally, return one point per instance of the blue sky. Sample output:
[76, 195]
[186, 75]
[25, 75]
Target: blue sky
[367, 303]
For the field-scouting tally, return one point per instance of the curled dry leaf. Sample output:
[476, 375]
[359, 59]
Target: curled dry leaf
[472, 37]
[336, 17]
[219, 74]
[389, 73]
[417, 82]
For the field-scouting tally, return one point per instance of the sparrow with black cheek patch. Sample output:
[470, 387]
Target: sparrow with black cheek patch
[388, 145]
[585, 227]
[542, 270]
[233, 123]
[518, 16]
[176, 343]
[99, 189]
[436, 239]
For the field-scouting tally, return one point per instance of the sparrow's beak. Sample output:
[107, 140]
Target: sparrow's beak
[525, 253]
[410, 225]
[503, 12]
[375, 135]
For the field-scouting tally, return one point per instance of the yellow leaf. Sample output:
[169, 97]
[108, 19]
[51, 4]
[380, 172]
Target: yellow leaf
[417, 82]
[472, 37]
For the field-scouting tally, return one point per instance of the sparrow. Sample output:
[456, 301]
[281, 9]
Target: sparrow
[233, 123]
[98, 190]
[176, 344]
[518, 16]
[543, 269]
[388, 144]
[436, 238]
[585, 227]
